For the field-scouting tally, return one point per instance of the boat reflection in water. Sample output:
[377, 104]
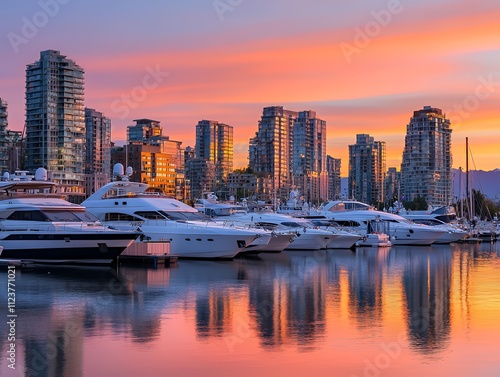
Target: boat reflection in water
[401, 311]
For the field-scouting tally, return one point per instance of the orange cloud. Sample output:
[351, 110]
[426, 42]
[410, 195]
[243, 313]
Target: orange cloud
[420, 58]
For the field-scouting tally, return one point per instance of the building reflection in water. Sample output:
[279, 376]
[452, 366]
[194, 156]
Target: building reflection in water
[427, 290]
[284, 300]
[366, 286]
[213, 314]
[287, 300]
[60, 307]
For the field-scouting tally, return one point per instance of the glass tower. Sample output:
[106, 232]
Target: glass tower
[367, 169]
[427, 159]
[214, 142]
[3, 137]
[271, 149]
[55, 126]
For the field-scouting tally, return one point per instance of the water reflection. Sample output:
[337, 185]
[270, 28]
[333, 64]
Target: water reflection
[427, 290]
[299, 299]
[58, 307]
[287, 299]
[366, 276]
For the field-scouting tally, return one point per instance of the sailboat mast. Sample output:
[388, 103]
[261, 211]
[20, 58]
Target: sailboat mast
[467, 176]
[470, 196]
[460, 194]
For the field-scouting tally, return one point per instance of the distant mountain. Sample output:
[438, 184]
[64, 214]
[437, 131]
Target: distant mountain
[488, 182]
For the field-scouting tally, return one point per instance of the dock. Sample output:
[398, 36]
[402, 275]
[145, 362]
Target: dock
[149, 260]
[470, 240]
[5, 263]
[151, 253]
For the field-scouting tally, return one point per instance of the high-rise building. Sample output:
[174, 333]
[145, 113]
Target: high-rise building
[201, 174]
[4, 157]
[392, 189]
[214, 142]
[143, 130]
[98, 142]
[334, 181]
[174, 149]
[55, 126]
[14, 141]
[97, 150]
[427, 159]
[367, 169]
[309, 156]
[270, 151]
[149, 164]
[164, 154]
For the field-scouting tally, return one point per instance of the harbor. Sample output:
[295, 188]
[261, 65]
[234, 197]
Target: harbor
[235, 188]
[403, 310]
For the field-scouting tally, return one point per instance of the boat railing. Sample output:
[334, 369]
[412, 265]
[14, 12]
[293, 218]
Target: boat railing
[16, 194]
[53, 227]
[138, 195]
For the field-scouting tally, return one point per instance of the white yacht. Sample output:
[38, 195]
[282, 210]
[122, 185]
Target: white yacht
[209, 205]
[445, 214]
[124, 204]
[356, 215]
[269, 241]
[39, 226]
[307, 237]
[221, 214]
[453, 233]
[341, 239]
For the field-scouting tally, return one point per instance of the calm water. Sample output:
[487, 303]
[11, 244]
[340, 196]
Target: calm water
[404, 311]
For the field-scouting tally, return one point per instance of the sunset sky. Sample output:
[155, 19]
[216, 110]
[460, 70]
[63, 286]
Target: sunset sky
[364, 67]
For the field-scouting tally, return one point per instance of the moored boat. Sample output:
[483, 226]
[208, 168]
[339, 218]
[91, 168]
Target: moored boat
[40, 226]
[125, 205]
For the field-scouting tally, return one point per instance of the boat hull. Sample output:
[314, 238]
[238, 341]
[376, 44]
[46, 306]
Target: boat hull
[200, 242]
[419, 237]
[77, 248]
[343, 241]
[276, 244]
[310, 240]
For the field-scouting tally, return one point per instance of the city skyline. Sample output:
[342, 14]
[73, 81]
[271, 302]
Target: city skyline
[363, 68]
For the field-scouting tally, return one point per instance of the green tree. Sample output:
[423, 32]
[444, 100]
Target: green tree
[417, 204]
[484, 207]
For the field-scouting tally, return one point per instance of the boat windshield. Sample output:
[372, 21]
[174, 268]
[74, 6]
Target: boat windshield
[325, 223]
[52, 216]
[293, 224]
[150, 215]
[184, 216]
[429, 221]
[70, 216]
